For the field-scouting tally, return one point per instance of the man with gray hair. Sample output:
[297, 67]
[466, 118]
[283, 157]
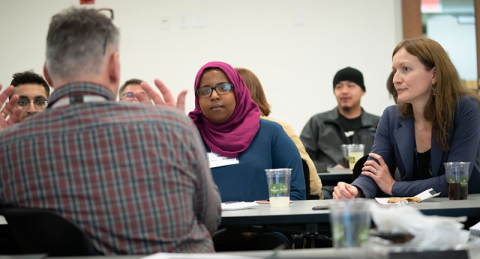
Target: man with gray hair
[129, 89]
[134, 177]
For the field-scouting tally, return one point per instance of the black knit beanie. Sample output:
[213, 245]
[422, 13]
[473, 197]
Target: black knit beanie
[350, 74]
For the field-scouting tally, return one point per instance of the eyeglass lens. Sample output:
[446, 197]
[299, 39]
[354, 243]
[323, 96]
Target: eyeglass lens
[221, 89]
[40, 105]
[130, 96]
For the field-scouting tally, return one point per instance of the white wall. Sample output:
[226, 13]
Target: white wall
[296, 63]
[459, 42]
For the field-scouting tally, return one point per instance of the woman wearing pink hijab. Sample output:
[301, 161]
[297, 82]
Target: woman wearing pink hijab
[240, 145]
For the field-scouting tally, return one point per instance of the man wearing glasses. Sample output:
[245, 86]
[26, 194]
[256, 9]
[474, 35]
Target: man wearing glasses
[33, 92]
[129, 88]
[134, 177]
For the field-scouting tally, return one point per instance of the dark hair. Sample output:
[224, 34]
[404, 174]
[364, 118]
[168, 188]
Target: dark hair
[448, 88]
[132, 81]
[77, 41]
[256, 90]
[29, 77]
[391, 87]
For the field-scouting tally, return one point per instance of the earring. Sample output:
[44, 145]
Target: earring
[434, 91]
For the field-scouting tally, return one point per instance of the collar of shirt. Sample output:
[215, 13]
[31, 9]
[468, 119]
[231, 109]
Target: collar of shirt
[81, 88]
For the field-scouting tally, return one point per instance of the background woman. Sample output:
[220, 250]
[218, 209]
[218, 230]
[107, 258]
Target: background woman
[258, 95]
[229, 122]
[436, 120]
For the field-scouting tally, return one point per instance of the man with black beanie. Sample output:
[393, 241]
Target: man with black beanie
[347, 123]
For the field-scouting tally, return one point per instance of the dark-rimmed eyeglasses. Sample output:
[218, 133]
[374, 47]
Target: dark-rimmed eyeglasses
[109, 13]
[40, 105]
[221, 89]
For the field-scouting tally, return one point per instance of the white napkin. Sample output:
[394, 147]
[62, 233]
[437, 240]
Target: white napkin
[238, 205]
[430, 193]
[430, 232]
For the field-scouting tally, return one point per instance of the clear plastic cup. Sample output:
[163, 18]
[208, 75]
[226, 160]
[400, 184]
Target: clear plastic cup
[279, 186]
[350, 222]
[355, 152]
[457, 179]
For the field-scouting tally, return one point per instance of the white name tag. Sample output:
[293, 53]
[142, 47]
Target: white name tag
[216, 160]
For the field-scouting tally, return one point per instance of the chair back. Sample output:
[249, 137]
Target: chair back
[306, 176]
[39, 231]
[357, 169]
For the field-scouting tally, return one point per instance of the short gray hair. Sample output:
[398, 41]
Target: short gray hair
[133, 81]
[77, 41]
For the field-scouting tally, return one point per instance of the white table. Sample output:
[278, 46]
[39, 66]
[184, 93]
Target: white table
[300, 212]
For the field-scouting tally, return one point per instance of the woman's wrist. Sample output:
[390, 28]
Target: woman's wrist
[391, 187]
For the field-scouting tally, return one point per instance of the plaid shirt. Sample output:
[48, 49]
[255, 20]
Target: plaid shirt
[133, 176]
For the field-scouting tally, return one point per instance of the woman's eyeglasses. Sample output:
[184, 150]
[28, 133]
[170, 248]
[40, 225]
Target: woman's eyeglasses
[221, 89]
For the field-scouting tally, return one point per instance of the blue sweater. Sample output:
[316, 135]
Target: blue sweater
[247, 180]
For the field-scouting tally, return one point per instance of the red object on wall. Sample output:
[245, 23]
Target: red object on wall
[431, 6]
[87, 1]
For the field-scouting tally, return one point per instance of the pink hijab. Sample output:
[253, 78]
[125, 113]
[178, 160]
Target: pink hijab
[233, 136]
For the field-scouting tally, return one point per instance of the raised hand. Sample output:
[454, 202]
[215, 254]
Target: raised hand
[157, 98]
[9, 107]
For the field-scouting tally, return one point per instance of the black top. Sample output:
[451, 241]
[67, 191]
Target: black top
[349, 126]
[421, 166]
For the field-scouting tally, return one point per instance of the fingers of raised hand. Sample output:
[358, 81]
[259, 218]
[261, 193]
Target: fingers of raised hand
[154, 95]
[142, 98]
[167, 95]
[7, 110]
[14, 117]
[4, 96]
[9, 106]
[181, 100]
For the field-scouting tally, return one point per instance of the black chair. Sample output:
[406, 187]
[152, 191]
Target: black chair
[8, 245]
[256, 241]
[39, 231]
[357, 169]
[306, 175]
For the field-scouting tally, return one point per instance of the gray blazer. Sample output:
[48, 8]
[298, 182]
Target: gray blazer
[395, 142]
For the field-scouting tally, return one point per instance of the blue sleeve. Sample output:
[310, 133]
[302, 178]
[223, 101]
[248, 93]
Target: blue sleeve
[464, 145]
[286, 155]
[381, 146]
